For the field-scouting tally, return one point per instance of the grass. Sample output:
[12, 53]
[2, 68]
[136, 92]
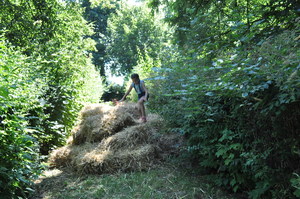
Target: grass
[162, 182]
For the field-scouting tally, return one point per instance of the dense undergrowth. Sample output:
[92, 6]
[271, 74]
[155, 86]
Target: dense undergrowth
[240, 113]
[230, 83]
[45, 77]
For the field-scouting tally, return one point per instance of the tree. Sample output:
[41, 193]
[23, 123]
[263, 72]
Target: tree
[46, 76]
[133, 31]
[231, 87]
[98, 16]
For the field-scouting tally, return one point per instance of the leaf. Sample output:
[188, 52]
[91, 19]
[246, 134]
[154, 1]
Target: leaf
[244, 95]
[266, 86]
[235, 146]
[209, 94]
[235, 188]
[221, 152]
[232, 182]
[227, 161]
[4, 92]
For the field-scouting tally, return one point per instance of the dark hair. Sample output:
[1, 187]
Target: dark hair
[135, 76]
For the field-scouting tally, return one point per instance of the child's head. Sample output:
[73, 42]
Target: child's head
[135, 78]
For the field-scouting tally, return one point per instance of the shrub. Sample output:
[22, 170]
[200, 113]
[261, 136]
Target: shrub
[19, 149]
[240, 113]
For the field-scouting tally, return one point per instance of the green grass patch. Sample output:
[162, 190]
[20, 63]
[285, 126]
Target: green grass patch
[162, 182]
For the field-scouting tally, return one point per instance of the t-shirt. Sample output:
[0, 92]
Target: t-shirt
[138, 87]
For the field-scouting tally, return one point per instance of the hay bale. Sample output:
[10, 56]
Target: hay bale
[90, 160]
[130, 108]
[94, 109]
[64, 156]
[101, 122]
[154, 121]
[108, 140]
[128, 138]
[109, 162]
[60, 157]
[145, 133]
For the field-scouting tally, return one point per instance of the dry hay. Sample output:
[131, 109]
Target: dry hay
[140, 158]
[106, 141]
[100, 121]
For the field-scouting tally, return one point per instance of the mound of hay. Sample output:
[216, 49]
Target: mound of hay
[110, 139]
[98, 122]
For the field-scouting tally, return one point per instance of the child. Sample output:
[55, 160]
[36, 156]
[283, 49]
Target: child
[140, 88]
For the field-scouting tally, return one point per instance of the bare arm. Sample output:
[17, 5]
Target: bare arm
[127, 92]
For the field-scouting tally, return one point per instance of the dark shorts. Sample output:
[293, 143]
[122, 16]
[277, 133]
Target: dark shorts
[143, 94]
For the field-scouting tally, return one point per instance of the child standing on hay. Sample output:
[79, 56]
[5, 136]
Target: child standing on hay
[143, 95]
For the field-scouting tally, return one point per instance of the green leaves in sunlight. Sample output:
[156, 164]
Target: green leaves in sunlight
[3, 92]
[46, 74]
[133, 32]
[19, 158]
[231, 85]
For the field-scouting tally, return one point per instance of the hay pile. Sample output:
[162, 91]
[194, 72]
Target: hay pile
[110, 139]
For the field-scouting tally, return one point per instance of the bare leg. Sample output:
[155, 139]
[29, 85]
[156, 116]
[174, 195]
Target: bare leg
[141, 107]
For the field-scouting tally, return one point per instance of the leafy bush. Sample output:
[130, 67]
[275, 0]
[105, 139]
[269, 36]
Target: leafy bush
[45, 79]
[240, 112]
[133, 31]
[19, 149]
[54, 36]
[113, 91]
[296, 184]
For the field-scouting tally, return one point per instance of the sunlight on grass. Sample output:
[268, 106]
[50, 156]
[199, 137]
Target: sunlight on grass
[164, 182]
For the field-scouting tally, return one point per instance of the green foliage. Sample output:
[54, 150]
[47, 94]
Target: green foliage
[98, 16]
[59, 45]
[133, 32]
[113, 92]
[232, 88]
[102, 3]
[45, 80]
[226, 21]
[19, 158]
[296, 184]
